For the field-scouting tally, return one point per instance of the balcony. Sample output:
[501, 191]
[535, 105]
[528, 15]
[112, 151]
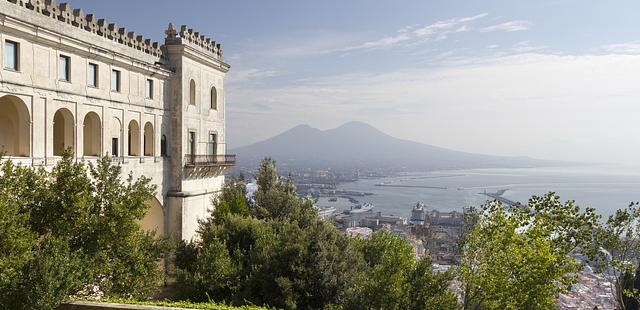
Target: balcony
[191, 161]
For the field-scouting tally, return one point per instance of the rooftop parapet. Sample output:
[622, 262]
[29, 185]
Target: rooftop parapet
[193, 38]
[76, 18]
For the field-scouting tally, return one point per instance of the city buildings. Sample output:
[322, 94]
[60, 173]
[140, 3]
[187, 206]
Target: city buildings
[79, 82]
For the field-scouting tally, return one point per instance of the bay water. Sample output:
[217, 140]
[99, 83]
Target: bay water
[603, 187]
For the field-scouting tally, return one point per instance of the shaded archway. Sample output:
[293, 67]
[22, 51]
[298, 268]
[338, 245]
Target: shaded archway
[63, 136]
[148, 139]
[153, 220]
[134, 138]
[91, 135]
[14, 127]
[192, 92]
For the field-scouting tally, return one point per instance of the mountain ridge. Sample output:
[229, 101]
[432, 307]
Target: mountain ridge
[360, 145]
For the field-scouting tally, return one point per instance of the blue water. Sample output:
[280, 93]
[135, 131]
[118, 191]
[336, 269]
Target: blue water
[605, 188]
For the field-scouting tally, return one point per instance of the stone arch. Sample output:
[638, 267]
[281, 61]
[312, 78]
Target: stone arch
[15, 127]
[63, 135]
[192, 92]
[153, 220]
[134, 138]
[92, 129]
[214, 98]
[148, 139]
[116, 136]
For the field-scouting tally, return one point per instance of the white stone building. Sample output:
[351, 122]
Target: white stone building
[70, 80]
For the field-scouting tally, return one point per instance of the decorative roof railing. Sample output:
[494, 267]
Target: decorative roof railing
[189, 36]
[90, 23]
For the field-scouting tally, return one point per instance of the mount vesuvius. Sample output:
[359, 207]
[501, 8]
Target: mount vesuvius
[359, 145]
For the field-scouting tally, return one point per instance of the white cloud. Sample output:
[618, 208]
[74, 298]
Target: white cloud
[525, 47]
[416, 33]
[622, 48]
[513, 105]
[515, 25]
[249, 74]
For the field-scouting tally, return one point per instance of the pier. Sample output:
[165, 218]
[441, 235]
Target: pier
[409, 186]
[498, 196]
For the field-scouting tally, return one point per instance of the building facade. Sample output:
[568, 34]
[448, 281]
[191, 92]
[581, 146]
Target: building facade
[74, 81]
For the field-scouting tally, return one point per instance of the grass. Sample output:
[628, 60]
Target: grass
[177, 304]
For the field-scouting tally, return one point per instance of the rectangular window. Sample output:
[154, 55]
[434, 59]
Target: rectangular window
[64, 68]
[115, 80]
[212, 144]
[11, 55]
[92, 75]
[114, 147]
[149, 89]
[191, 148]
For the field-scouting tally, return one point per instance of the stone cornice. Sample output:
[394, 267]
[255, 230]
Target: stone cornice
[117, 55]
[197, 55]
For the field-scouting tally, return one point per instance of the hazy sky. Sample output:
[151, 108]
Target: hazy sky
[547, 79]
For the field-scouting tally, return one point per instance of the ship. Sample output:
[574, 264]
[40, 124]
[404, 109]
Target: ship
[326, 212]
[360, 208]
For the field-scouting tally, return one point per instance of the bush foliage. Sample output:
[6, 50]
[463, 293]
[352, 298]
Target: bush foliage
[74, 230]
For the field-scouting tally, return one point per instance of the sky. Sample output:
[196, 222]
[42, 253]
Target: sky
[548, 79]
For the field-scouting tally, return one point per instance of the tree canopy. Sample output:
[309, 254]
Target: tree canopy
[523, 257]
[74, 231]
[274, 249]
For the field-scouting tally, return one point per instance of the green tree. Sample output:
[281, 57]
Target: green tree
[620, 238]
[232, 200]
[429, 289]
[382, 281]
[17, 185]
[271, 249]
[390, 277]
[523, 257]
[282, 254]
[54, 272]
[71, 228]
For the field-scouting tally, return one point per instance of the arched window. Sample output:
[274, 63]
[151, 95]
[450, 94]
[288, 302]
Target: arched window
[163, 146]
[214, 98]
[192, 92]
[91, 135]
[63, 136]
[148, 139]
[14, 127]
[134, 138]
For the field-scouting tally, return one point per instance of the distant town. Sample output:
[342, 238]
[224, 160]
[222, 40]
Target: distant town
[429, 231]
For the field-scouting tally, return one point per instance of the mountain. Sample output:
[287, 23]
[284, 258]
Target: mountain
[359, 145]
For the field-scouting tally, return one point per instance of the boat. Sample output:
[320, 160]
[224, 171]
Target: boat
[326, 212]
[333, 199]
[360, 208]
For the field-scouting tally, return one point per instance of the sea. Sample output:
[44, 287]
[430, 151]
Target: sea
[603, 187]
